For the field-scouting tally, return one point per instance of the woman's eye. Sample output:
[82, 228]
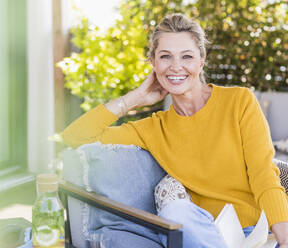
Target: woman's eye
[187, 57]
[166, 56]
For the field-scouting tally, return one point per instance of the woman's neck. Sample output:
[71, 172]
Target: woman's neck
[190, 103]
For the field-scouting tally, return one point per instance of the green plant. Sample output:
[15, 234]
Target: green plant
[108, 65]
[248, 46]
[52, 218]
[248, 38]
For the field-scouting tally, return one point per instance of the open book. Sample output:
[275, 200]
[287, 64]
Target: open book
[229, 226]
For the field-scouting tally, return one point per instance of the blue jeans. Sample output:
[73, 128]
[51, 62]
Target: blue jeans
[199, 229]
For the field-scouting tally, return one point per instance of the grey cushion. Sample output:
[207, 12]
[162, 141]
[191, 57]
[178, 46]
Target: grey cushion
[281, 156]
[127, 174]
[281, 146]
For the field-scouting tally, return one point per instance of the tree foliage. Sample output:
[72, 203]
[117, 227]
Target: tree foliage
[108, 65]
[248, 37]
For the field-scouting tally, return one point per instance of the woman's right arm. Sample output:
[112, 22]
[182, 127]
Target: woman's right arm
[94, 125]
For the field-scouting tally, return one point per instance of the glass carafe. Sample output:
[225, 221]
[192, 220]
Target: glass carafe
[48, 214]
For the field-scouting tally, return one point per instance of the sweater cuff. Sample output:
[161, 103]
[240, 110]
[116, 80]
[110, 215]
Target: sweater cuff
[275, 204]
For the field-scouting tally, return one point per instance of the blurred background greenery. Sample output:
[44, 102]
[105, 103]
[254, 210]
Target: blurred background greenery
[248, 46]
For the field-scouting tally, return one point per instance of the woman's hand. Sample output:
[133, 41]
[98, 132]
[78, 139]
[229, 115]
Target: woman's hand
[150, 91]
[280, 231]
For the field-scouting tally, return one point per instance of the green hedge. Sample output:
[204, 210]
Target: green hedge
[249, 46]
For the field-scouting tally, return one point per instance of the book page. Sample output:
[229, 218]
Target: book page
[258, 237]
[229, 226]
[271, 242]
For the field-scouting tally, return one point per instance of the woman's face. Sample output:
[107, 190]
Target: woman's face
[177, 62]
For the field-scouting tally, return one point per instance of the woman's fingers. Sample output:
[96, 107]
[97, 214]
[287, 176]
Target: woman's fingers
[164, 93]
[152, 76]
[149, 81]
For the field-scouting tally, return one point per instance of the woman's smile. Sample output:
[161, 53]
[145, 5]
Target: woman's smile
[177, 79]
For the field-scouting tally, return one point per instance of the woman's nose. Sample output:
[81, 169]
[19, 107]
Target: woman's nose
[175, 65]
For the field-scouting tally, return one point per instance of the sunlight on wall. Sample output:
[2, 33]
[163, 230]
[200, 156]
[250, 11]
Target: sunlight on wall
[17, 210]
[100, 13]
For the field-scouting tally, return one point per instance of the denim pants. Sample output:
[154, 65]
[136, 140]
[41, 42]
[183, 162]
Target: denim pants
[199, 229]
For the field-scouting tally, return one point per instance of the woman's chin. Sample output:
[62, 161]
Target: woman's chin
[176, 90]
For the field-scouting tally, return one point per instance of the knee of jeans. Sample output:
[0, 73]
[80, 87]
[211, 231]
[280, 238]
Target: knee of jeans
[176, 208]
[179, 210]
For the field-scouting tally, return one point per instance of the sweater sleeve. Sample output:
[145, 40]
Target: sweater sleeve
[258, 152]
[94, 126]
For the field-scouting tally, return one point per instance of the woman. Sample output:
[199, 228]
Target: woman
[213, 139]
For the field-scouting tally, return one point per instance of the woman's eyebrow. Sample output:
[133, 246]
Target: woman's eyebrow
[167, 51]
[164, 51]
[185, 51]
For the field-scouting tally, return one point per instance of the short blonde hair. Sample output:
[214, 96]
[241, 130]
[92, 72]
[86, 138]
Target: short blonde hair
[177, 23]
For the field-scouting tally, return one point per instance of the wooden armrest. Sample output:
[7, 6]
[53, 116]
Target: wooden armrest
[91, 197]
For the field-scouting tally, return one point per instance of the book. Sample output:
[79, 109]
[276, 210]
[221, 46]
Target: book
[230, 228]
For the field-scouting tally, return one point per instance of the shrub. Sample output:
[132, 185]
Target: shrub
[248, 46]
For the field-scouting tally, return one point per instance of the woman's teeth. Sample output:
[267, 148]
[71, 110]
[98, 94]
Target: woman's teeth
[177, 79]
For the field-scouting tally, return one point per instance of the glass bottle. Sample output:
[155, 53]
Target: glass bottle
[48, 214]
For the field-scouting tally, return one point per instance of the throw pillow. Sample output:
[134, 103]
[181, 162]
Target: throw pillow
[283, 167]
[127, 174]
[169, 189]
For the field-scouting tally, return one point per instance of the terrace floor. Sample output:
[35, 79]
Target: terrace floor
[18, 202]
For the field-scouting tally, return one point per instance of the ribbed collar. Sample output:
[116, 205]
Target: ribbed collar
[181, 121]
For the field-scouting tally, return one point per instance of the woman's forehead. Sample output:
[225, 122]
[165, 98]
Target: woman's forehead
[181, 41]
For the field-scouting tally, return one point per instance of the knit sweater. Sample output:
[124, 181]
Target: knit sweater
[222, 154]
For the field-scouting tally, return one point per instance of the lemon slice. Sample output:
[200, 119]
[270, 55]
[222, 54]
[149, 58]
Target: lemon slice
[46, 236]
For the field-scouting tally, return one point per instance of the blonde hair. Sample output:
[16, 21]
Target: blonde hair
[177, 23]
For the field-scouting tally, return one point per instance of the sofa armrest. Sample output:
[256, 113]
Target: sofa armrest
[154, 222]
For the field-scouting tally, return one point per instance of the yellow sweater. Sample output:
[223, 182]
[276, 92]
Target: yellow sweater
[221, 154]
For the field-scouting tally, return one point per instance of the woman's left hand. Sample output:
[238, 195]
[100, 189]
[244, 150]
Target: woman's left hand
[280, 231]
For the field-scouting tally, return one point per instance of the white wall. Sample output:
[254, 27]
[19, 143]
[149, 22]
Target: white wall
[41, 80]
[277, 114]
[40, 85]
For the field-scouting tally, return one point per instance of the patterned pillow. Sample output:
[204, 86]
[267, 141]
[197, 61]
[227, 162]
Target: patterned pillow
[169, 189]
[283, 167]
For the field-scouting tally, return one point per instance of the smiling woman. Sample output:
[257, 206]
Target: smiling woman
[214, 140]
[178, 65]
[178, 54]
